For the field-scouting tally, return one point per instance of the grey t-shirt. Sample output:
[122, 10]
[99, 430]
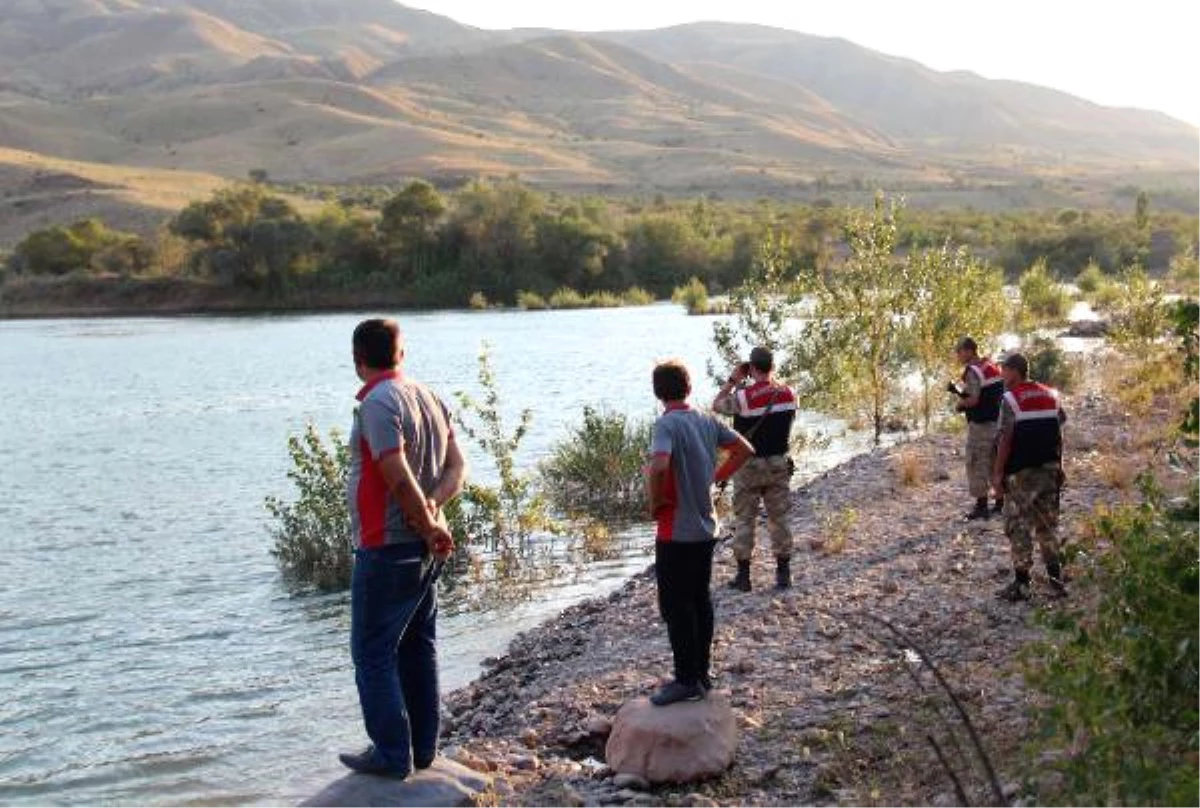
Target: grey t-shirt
[691, 439]
[395, 415]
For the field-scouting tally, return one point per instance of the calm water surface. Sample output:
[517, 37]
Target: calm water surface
[148, 651]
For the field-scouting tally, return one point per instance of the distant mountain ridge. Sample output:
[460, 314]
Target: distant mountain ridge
[370, 90]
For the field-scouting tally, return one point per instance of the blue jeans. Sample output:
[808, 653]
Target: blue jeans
[393, 642]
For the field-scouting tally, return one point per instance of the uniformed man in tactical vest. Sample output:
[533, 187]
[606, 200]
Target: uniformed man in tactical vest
[1028, 470]
[763, 410]
[979, 401]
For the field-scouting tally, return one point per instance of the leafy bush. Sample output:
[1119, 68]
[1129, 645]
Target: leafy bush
[1108, 296]
[1051, 365]
[637, 296]
[1184, 272]
[508, 515]
[567, 298]
[693, 296]
[478, 301]
[531, 301]
[86, 244]
[597, 469]
[1043, 299]
[1142, 316]
[1119, 719]
[1090, 279]
[312, 533]
[602, 300]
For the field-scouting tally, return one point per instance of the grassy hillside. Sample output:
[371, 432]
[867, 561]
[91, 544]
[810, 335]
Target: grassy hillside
[367, 91]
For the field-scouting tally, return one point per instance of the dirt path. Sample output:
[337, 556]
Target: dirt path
[827, 702]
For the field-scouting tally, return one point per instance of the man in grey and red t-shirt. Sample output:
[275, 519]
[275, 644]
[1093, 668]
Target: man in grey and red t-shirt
[405, 465]
[683, 467]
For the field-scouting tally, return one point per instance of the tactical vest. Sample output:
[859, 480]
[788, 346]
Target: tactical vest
[991, 390]
[1037, 431]
[765, 414]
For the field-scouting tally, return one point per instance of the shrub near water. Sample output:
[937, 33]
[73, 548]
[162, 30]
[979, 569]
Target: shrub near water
[1043, 299]
[312, 533]
[693, 296]
[1051, 365]
[597, 469]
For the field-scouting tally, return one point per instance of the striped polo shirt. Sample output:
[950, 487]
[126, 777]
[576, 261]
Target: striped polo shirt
[394, 414]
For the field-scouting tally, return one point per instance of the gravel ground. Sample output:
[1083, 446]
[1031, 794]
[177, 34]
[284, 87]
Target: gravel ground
[834, 706]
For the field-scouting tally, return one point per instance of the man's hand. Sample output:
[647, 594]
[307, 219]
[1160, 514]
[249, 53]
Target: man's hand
[998, 484]
[439, 540]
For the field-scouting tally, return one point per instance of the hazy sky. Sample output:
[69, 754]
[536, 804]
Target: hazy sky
[1136, 53]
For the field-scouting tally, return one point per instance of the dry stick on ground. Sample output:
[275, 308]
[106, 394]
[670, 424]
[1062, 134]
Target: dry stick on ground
[958, 788]
[964, 718]
[941, 716]
[986, 761]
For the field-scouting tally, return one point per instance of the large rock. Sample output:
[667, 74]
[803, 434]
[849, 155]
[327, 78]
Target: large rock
[1088, 328]
[444, 783]
[681, 743]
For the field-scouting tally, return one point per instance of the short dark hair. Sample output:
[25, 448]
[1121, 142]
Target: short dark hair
[672, 382]
[377, 343]
[1017, 362]
[967, 344]
[763, 359]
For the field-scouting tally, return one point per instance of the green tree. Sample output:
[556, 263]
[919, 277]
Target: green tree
[572, 251]
[408, 225]
[955, 295]
[86, 244]
[762, 307]
[852, 347]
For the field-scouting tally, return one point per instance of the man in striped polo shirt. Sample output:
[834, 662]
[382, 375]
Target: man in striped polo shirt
[405, 465]
[682, 470]
[1028, 471]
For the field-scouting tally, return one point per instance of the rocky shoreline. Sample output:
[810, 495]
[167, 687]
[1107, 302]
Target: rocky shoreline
[833, 702]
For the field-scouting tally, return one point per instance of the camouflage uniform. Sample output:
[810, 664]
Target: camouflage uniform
[1031, 514]
[981, 445]
[981, 456]
[765, 478]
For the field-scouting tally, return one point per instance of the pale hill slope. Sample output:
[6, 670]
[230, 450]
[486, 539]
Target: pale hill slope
[368, 90]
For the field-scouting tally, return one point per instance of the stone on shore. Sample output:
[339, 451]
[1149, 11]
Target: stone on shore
[444, 783]
[680, 743]
[1088, 328]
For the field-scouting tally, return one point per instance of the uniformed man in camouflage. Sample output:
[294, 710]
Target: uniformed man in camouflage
[979, 401]
[1028, 470]
[763, 410]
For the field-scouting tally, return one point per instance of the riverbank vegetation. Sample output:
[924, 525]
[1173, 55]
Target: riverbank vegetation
[505, 243]
[591, 481]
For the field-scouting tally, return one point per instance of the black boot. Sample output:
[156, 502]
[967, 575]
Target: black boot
[1058, 584]
[741, 581]
[783, 572]
[980, 511]
[999, 506]
[1017, 590]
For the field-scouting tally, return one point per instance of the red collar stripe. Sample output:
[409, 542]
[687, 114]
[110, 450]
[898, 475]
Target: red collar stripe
[376, 380]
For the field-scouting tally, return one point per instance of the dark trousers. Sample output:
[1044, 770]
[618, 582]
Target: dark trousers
[393, 642]
[684, 574]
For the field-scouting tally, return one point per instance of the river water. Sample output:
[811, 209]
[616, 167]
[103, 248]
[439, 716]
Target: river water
[149, 653]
